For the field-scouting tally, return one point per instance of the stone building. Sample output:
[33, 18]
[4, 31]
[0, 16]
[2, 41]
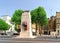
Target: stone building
[51, 24]
[58, 22]
[54, 23]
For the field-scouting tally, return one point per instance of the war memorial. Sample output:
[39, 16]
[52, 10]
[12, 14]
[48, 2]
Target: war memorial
[26, 29]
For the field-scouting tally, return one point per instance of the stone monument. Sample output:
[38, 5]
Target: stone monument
[26, 30]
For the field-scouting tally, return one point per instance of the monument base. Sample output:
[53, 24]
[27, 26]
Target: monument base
[25, 37]
[25, 34]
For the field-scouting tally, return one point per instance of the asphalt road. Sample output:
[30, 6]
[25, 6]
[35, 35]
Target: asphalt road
[7, 39]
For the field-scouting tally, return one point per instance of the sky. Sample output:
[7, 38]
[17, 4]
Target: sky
[7, 7]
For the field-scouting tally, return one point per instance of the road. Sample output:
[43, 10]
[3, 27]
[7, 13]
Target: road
[36, 40]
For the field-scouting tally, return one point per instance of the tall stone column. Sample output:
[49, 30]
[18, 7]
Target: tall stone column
[26, 29]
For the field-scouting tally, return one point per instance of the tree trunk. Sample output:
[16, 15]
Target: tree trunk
[5, 32]
[36, 27]
[40, 30]
[16, 26]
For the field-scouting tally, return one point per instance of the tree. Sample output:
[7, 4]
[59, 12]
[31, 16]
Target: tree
[3, 25]
[39, 16]
[42, 18]
[33, 18]
[17, 17]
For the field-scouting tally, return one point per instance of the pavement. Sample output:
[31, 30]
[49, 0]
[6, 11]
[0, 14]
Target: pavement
[40, 39]
[18, 40]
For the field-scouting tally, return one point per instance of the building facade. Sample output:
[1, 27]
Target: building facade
[58, 22]
[52, 24]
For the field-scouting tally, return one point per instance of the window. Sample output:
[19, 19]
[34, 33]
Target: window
[58, 21]
[58, 26]
[58, 16]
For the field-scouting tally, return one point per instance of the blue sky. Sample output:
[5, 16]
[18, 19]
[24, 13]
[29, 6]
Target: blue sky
[7, 7]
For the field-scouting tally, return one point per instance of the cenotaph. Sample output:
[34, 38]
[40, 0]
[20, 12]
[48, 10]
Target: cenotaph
[26, 29]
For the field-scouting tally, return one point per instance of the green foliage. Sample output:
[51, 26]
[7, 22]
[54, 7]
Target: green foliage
[34, 16]
[42, 18]
[17, 16]
[38, 15]
[4, 25]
